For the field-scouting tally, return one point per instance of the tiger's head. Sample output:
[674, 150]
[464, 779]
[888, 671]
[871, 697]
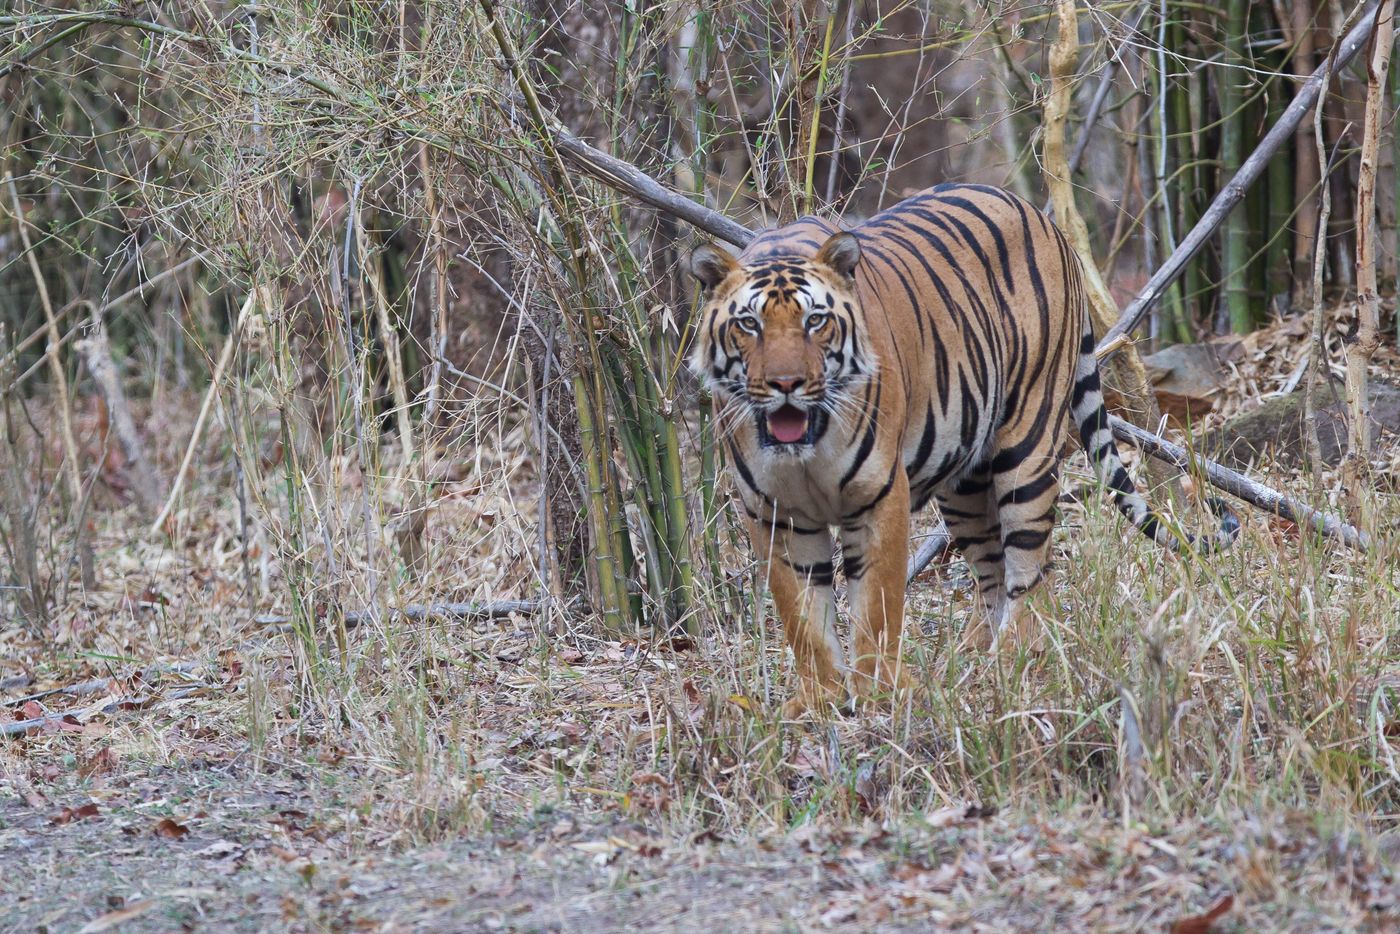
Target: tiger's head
[781, 339]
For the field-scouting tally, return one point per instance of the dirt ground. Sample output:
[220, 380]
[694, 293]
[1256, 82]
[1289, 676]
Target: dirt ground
[269, 852]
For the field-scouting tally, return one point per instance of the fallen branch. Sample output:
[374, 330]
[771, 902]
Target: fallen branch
[20, 727]
[1234, 191]
[93, 685]
[1240, 486]
[417, 612]
[931, 547]
[628, 179]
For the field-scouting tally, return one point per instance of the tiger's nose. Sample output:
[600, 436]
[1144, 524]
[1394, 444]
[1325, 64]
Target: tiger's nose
[787, 384]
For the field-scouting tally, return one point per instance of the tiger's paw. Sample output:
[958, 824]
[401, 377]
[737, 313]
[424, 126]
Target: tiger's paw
[978, 636]
[1024, 632]
[805, 705]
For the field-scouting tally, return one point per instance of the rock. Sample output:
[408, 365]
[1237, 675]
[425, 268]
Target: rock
[1275, 429]
[1186, 377]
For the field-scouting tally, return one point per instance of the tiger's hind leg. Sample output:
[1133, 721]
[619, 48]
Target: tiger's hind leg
[969, 510]
[1025, 495]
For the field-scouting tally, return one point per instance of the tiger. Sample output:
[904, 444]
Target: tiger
[933, 352]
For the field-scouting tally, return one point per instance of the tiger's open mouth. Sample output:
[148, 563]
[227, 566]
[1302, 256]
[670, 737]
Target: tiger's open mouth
[790, 425]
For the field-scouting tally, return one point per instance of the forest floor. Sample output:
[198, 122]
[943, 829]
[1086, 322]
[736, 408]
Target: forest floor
[199, 769]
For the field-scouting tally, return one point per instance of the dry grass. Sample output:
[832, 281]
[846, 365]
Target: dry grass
[567, 781]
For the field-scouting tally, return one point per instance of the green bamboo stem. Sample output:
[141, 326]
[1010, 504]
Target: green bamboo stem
[823, 68]
[1185, 117]
[1232, 149]
[679, 526]
[605, 567]
[1278, 278]
[1172, 326]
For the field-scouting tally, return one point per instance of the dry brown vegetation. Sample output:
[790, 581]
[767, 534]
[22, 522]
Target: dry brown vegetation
[431, 364]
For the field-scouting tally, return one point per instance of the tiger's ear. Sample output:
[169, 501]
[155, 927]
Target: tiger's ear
[710, 265]
[841, 252]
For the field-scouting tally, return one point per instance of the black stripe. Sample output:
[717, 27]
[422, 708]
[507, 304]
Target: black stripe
[817, 574]
[1030, 491]
[884, 491]
[925, 445]
[867, 443]
[787, 525]
[1025, 539]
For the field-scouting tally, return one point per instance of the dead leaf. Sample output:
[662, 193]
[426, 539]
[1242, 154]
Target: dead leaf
[102, 762]
[219, 849]
[31, 795]
[170, 830]
[113, 918]
[680, 644]
[68, 815]
[1202, 924]
[31, 710]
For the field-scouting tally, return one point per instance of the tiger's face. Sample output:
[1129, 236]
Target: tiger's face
[781, 341]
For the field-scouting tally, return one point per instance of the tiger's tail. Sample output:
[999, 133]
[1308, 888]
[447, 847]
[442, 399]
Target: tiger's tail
[1094, 434]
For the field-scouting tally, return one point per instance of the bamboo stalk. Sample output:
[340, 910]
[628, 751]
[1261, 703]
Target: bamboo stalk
[1235, 248]
[1302, 36]
[1368, 300]
[603, 558]
[1318, 370]
[1172, 327]
[1234, 190]
[225, 355]
[1128, 375]
[1278, 265]
[1185, 116]
[823, 66]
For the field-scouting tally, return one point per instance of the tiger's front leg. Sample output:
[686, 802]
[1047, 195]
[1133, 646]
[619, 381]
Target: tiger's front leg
[797, 565]
[875, 558]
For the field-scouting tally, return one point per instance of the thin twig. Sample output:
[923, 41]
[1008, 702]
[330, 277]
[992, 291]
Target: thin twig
[93, 685]
[215, 378]
[60, 378]
[20, 727]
